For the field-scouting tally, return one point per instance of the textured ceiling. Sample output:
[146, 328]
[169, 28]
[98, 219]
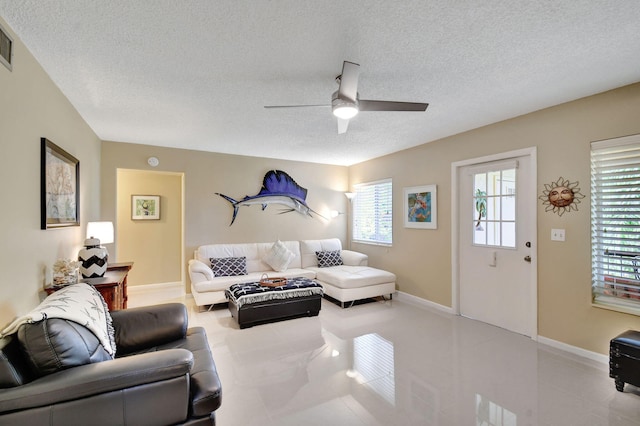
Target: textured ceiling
[196, 74]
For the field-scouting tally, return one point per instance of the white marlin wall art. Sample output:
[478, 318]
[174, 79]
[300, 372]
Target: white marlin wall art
[277, 188]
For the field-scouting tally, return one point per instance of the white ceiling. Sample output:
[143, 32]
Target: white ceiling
[196, 74]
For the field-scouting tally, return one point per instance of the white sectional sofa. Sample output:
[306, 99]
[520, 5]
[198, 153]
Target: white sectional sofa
[351, 281]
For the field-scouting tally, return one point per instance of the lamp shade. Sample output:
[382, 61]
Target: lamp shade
[101, 230]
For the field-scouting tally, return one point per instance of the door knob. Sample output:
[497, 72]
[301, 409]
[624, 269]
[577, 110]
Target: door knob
[527, 258]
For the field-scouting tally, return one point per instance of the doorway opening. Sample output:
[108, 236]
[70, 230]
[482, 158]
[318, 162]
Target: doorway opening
[156, 243]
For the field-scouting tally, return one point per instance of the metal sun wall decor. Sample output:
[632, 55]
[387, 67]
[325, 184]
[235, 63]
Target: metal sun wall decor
[277, 188]
[561, 196]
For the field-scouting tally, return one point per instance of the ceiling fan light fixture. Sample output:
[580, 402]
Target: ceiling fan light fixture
[344, 108]
[345, 112]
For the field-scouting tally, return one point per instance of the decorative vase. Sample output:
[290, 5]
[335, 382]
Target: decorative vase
[93, 259]
[65, 272]
[65, 278]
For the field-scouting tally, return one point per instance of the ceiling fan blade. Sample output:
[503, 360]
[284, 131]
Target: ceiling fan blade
[295, 106]
[366, 105]
[349, 81]
[342, 125]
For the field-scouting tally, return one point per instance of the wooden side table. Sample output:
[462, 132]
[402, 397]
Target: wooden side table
[112, 286]
[124, 267]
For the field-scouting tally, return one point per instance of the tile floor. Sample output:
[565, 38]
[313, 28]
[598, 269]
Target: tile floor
[392, 363]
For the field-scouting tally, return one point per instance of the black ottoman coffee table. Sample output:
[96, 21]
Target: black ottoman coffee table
[251, 303]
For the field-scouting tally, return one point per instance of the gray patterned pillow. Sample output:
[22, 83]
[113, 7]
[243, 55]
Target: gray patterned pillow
[229, 266]
[329, 258]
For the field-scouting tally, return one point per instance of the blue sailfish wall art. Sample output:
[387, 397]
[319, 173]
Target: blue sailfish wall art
[277, 188]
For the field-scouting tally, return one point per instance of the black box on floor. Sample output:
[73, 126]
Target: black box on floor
[624, 359]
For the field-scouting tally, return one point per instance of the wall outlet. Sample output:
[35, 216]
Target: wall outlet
[557, 235]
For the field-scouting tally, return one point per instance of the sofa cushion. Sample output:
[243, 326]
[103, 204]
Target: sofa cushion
[279, 256]
[353, 276]
[308, 249]
[55, 344]
[329, 258]
[14, 370]
[146, 326]
[229, 266]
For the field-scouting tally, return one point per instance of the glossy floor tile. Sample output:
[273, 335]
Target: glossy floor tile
[392, 363]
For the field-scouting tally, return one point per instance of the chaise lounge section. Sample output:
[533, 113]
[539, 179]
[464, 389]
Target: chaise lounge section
[351, 281]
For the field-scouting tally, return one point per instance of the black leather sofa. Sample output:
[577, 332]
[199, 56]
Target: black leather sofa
[163, 372]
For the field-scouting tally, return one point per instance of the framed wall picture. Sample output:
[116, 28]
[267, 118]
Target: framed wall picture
[421, 207]
[59, 187]
[145, 207]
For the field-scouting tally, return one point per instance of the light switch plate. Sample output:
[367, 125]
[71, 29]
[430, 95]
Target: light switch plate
[557, 235]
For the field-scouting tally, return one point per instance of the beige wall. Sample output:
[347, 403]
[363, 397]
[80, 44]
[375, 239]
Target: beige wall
[155, 246]
[207, 216]
[31, 107]
[562, 134]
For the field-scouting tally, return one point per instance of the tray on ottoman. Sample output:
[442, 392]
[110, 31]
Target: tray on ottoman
[624, 359]
[251, 304]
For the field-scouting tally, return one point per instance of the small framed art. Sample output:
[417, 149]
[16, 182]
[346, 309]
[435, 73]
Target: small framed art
[59, 187]
[421, 207]
[145, 207]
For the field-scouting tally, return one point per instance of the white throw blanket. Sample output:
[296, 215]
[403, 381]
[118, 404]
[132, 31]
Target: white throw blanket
[80, 303]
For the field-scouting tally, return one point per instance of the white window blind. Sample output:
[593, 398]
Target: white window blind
[372, 212]
[615, 222]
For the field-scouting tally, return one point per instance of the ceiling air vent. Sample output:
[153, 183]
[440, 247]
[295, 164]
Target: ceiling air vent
[6, 48]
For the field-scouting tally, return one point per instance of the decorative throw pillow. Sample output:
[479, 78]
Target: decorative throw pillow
[329, 258]
[279, 256]
[229, 266]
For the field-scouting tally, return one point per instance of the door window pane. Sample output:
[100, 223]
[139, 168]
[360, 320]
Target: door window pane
[480, 234]
[493, 183]
[493, 234]
[509, 208]
[480, 182]
[493, 211]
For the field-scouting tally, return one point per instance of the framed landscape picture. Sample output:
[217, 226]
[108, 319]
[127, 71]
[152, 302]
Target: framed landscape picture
[421, 207]
[59, 187]
[145, 207]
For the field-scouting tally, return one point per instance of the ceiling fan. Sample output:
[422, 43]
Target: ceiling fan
[346, 103]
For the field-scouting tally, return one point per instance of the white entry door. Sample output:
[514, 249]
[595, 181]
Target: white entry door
[496, 204]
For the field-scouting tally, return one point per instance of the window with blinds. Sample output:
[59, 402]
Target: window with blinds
[615, 223]
[372, 213]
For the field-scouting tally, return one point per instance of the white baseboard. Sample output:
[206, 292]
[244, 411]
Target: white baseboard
[173, 289]
[423, 303]
[594, 356]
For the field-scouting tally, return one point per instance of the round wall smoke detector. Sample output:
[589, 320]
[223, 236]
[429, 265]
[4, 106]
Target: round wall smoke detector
[153, 161]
